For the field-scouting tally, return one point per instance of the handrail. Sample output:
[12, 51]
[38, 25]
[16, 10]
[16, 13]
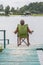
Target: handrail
[4, 38]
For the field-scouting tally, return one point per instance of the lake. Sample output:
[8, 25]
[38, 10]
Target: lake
[9, 23]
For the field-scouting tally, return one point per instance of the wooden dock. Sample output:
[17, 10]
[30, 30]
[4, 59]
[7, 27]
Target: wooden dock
[21, 55]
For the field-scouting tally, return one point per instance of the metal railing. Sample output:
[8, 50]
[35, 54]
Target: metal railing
[4, 38]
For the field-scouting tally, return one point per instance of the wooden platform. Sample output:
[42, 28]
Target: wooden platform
[21, 55]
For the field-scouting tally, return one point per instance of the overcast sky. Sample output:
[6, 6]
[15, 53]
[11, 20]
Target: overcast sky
[17, 3]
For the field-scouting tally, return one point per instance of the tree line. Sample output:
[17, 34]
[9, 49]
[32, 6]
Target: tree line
[8, 10]
[35, 7]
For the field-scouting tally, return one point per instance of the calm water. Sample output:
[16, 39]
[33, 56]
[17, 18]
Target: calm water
[10, 23]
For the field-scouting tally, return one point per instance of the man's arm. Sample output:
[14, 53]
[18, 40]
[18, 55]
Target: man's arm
[16, 30]
[30, 31]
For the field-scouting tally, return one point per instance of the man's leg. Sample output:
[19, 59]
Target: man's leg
[19, 41]
[28, 41]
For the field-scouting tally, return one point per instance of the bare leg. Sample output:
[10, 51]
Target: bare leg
[19, 41]
[28, 41]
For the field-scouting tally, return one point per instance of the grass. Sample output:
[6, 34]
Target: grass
[37, 14]
[21, 14]
[1, 49]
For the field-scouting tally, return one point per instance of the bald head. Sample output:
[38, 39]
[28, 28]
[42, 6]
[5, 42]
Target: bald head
[22, 22]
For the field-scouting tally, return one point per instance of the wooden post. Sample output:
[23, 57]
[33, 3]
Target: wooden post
[4, 39]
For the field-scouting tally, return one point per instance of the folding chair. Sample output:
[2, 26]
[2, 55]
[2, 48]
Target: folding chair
[22, 34]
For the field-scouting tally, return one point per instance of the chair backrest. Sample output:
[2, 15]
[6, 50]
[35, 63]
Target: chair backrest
[22, 30]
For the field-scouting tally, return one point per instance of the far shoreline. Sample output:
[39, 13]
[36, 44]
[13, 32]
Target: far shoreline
[21, 15]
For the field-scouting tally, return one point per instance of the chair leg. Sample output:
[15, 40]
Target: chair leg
[19, 41]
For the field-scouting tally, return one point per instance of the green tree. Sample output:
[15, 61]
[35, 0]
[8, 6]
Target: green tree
[35, 7]
[41, 7]
[1, 7]
[24, 8]
[12, 10]
[7, 10]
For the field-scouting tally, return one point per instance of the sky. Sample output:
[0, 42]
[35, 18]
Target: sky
[17, 3]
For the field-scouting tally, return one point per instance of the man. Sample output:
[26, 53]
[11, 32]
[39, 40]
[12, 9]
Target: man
[22, 24]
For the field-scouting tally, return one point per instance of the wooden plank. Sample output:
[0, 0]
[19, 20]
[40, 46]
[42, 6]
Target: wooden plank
[19, 57]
